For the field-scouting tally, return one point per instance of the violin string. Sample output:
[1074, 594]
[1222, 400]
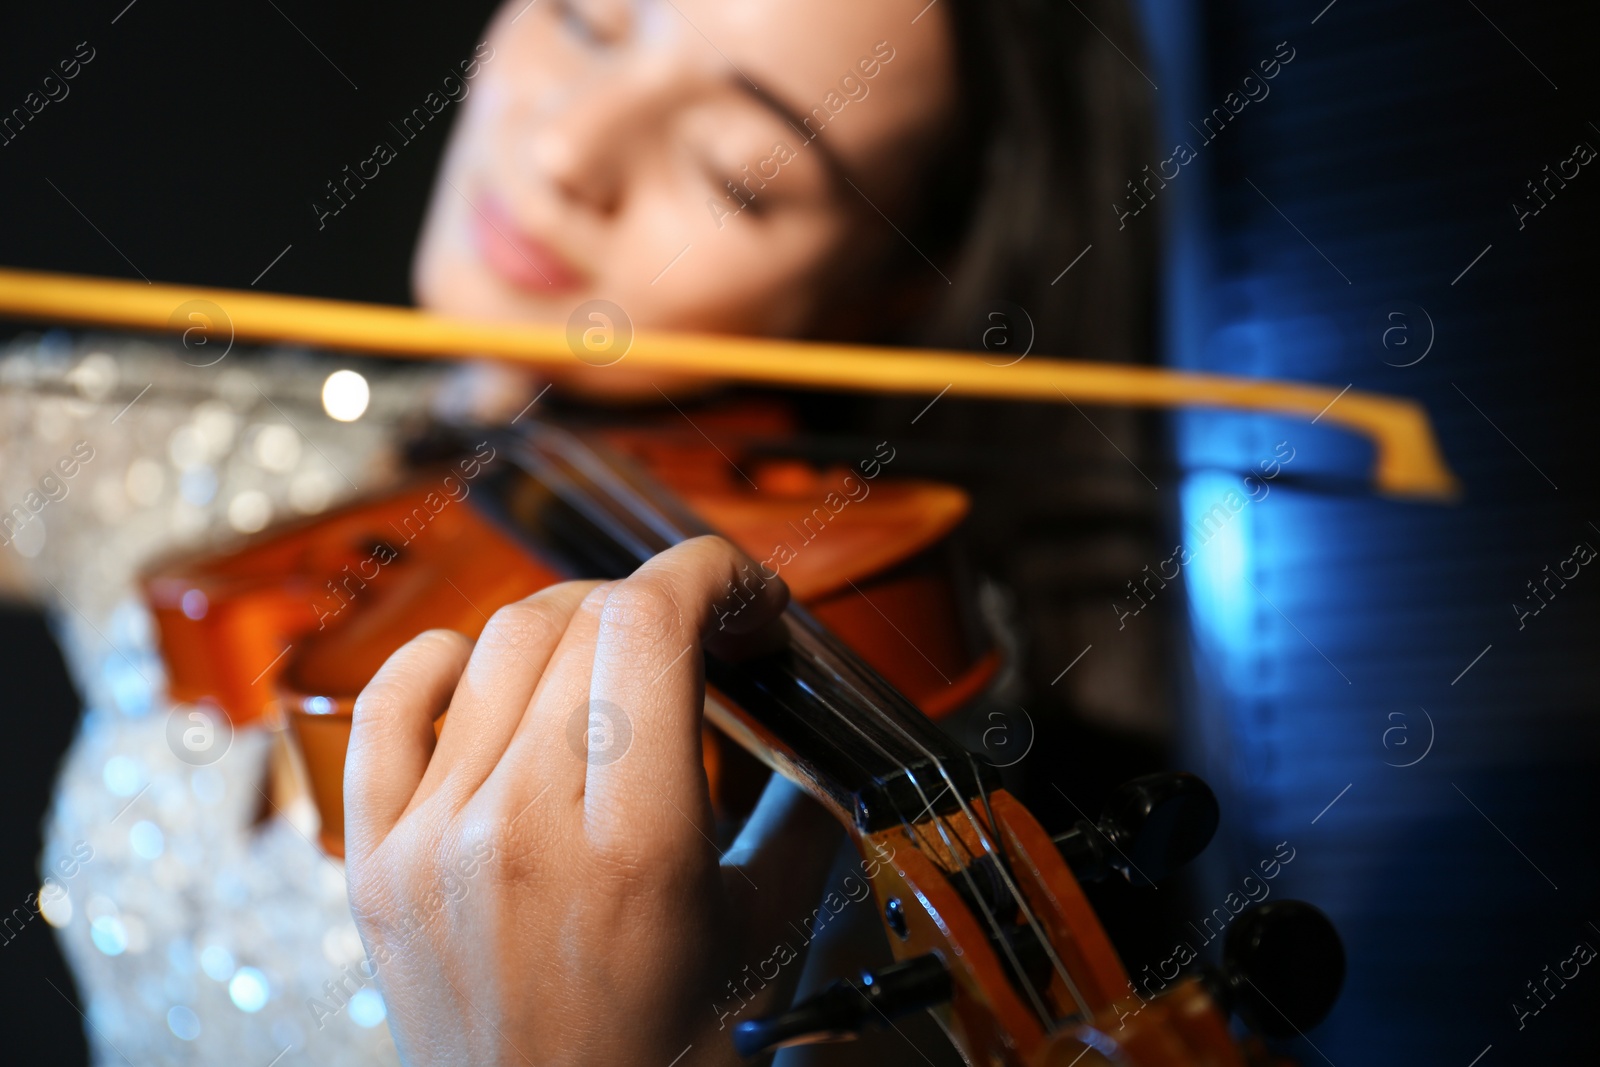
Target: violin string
[961, 869]
[952, 848]
[1011, 887]
[580, 456]
[984, 839]
[1033, 922]
[1000, 866]
[617, 491]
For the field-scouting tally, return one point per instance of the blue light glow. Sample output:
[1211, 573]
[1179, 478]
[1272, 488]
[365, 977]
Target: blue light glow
[367, 1009]
[108, 935]
[146, 840]
[248, 989]
[183, 1022]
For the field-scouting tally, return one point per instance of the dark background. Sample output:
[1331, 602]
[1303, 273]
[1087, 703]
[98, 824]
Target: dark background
[200, 134]
[1395, 141]
[1384, 162]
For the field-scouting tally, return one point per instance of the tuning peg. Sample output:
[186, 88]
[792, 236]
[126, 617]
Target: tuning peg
[1282, 968]
[845, 1008]
[1151, 826]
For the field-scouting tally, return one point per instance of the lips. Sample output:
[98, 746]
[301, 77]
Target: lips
[517, 256]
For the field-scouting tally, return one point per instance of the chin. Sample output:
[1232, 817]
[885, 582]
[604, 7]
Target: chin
[462, 286]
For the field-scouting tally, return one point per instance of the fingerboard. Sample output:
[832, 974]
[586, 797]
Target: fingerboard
[813, 708]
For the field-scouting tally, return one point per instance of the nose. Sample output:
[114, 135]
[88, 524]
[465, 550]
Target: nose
[588, 140]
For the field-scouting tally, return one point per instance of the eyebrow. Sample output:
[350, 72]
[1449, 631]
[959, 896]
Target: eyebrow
[832, 163]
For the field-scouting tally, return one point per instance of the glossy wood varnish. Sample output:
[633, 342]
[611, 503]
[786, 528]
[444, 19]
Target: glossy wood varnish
[297, 620]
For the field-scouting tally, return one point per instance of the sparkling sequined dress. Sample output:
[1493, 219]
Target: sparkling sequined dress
[201, 923]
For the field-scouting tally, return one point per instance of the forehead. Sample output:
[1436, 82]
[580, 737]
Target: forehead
[809, 55]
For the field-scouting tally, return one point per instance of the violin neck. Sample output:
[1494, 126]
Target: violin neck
[813, 709]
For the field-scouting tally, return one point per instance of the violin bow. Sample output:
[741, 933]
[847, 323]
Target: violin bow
[1407, 461]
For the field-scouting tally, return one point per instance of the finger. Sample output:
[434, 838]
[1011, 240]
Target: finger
[648, 668]
[391, 734]
[497, 686]
[550, 746]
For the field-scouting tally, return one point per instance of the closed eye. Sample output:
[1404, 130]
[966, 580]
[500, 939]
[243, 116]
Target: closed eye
[581, 25]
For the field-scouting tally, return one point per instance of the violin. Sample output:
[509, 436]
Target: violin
[323, 603]
[982, 908]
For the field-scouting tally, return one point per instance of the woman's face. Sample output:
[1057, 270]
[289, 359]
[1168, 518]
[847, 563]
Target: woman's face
[704, 164]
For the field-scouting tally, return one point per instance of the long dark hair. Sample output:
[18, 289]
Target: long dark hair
[1054, 122]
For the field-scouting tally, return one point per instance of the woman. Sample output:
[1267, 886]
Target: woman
[883, 171]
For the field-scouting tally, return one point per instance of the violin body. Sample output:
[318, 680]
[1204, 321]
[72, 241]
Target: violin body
[292, 624]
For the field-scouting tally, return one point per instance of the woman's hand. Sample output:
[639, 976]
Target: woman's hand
[541, 886]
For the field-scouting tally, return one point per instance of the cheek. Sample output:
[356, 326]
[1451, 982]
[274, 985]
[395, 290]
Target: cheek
[765, 277]
[489, 143]
[445, 271]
